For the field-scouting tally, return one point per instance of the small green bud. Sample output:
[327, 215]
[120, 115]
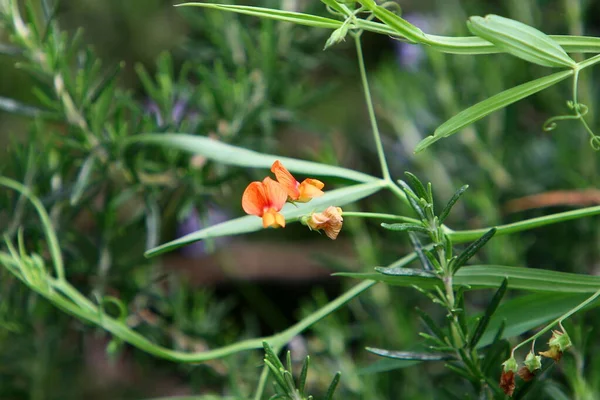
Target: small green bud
[560, 340]
[337, 36]
[533, 362]
[511, 365]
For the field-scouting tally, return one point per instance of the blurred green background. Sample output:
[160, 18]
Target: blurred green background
[271, 87]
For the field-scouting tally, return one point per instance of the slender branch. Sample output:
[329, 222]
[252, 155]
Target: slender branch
[376, 135]
[470, 235]
[391, 217]
[558, 320]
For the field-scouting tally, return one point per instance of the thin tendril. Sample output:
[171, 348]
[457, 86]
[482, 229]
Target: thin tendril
[580, 110]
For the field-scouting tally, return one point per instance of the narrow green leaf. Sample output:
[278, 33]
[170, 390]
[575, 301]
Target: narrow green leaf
[399, 271]
[520, 40]
[413, 199]
[489, 105]
[431, 325]
[83, 178]
[427, 266]
[489, 312]
[418, 187]
[471, 250]
[233, 155]
[15, 107]
[402, 227]
[410, 355]
[451, 203]
[303, 375]
[491, 276]
[251, 223]
[280, 15]
[333, 386]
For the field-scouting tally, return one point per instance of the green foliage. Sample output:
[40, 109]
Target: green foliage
[110, 165]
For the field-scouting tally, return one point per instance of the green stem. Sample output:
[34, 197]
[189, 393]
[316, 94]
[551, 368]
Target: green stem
[376, 135]
[53, 246]
[391, 217]
[76, 304]
[470, 235]
[558, 320]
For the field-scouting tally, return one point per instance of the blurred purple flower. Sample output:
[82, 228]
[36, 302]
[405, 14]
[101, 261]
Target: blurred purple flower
[408, 55]
[181, 110]
[193, 222]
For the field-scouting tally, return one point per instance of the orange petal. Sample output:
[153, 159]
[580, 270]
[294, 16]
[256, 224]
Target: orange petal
[275, 194]
[272, 218]
[310, 188]
[286, 179]
[254, 199]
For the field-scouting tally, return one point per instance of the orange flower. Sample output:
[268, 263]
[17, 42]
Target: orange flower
[300, 192]
[330, 221]
[265, 199]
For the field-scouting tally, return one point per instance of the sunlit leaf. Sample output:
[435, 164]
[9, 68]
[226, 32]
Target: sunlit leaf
[232, 155]
[520, 40]
[489, 105]
[251, 223]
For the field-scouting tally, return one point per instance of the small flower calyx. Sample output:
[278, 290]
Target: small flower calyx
[532, 364]
[559, 342]
[507, 379]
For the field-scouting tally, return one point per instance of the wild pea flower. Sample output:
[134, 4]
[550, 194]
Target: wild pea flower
[329, 221]
[265, 199]
[297, 192]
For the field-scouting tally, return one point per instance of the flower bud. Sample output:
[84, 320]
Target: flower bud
[532, 363]
[507, 379]
[559, 342]
[330, 221]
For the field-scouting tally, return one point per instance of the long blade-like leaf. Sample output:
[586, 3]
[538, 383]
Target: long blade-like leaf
[489, 105]
[233, 155]
[410, 355]
[271, 13]
[491, 276]
[250, 223]
[489, 312]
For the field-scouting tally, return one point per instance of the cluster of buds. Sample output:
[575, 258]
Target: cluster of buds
[559, 342]
[266, 198]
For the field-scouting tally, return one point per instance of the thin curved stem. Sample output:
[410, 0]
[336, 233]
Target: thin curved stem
[376, 135]
[558, 320]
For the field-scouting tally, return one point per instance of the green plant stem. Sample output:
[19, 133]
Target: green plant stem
[376, 135]
[470, 235]
[68, 299]
[558, 320]
[53, 246]
[390, 217]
